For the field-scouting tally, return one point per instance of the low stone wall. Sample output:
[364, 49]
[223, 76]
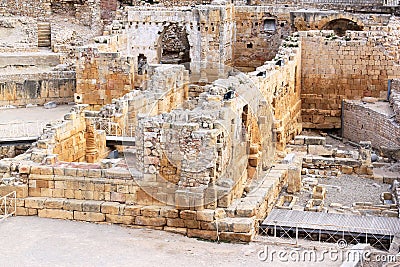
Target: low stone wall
[11, 151]
[351, 67]
[39, 88]
[363, 121]
[102, 77]
[87, 195]
[395, 98]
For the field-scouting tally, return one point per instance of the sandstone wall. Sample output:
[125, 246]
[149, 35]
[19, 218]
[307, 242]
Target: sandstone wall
[279, 82]
[395, 98]
[102, 77]
[72, 140]
[351, 67]
[259, 33]
[363, 121]
[86, 12]
[40, 88]
[11, 151]
[210, 30]
[92, 194]
[18, 34]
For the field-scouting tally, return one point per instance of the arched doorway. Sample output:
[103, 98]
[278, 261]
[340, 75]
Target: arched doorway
[340, 26]
[174, 45]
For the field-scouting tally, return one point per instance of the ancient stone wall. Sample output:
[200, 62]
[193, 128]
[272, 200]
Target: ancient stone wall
[85, 12]
[395, 98]
[351, 67]
[91, 193]
[370, 121]
[72, 140]
[369, 6]
[39, 88]
[11, 151]
[18, 34]
[279, 82]
[102, 77]
[35, 8]
[108, 10]
[259, 33]
[209, 30]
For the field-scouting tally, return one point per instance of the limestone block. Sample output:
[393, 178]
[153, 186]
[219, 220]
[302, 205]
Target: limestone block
[120, 219]
[91, 206]
[188, 215]
[89, 216]
[242, 225]
[176, 230]
[205, 215]
[54, 203]
[294, 178]
[236, 237]
[56, 214]
[219, 213]
[192, 224]
[204, 234]
[35, 202]
[319, 192]
[132, 210]
[175, 222]
[208, 226]
[73, 204]
[320, 150]
[169, 212]
[141, 220]
[118, 197]
[151, 211]
[113, 208]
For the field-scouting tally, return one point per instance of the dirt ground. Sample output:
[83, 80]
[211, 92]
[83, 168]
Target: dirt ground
[33, 241]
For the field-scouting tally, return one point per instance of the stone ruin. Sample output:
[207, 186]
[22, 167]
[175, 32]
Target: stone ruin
[205, 103]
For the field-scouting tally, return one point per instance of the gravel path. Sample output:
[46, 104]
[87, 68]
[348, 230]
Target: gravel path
[347, 189]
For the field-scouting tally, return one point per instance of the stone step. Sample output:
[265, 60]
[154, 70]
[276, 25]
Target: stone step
[37, 59]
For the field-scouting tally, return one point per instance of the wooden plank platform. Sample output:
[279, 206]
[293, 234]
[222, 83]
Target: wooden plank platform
[333, 222]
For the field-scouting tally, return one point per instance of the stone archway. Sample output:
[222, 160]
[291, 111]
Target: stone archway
[341, 25]
[174, 47]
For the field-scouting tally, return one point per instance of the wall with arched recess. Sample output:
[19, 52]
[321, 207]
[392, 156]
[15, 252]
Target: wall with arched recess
[305, 20]
[209, 31]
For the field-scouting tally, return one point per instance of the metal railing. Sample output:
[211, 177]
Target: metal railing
[8, 205]
[379, 238]
[113, 128]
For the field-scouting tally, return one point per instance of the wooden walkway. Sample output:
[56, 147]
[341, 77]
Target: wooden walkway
[332, 222]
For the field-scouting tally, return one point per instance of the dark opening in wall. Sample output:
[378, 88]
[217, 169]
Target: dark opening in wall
[340, 26]
[269, 25]
[175, 47]
[142, 64]
[249, 45]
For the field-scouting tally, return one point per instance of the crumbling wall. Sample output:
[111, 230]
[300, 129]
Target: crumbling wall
[72, 140]
[366, 121]
[259, 32]
[351, 67]
[86, 12]
[18, 34]
[34, 8]
[395, 98]
[210, 30]
[102, 77]
[39, 88]
[11, 151]
[279, 82]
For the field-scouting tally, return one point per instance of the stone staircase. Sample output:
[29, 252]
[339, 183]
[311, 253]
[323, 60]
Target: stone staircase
[44, 34]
